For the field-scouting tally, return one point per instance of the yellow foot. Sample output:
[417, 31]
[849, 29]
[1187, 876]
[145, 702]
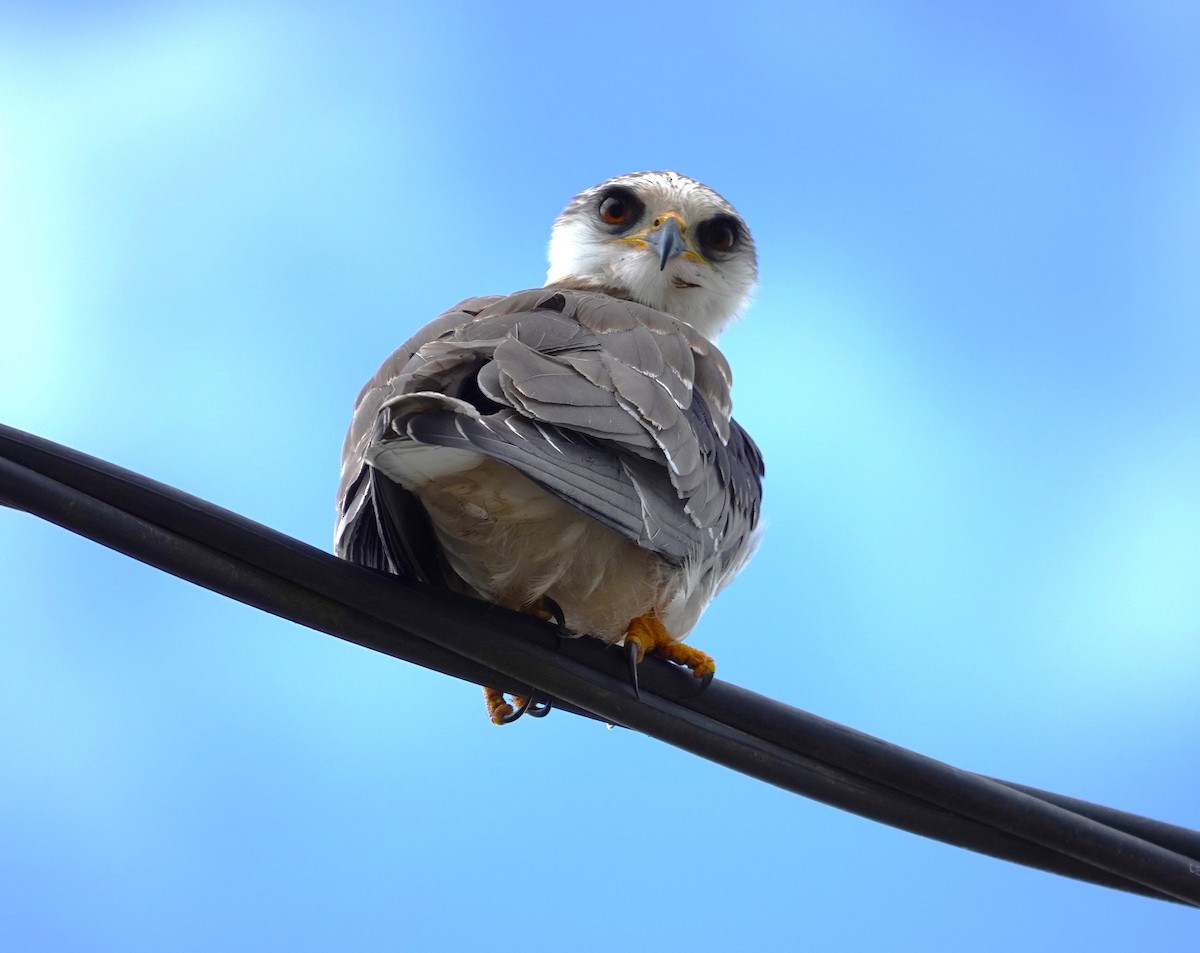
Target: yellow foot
[648, 635]
[502, 713]
[499, 711]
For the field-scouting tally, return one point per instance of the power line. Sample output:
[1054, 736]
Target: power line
[795, 750]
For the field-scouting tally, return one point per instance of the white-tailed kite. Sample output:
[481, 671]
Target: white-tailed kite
[569, 450]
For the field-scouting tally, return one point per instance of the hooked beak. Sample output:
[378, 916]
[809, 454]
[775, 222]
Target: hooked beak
[667, 240]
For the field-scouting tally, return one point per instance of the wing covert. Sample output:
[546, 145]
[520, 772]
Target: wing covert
[619, 410]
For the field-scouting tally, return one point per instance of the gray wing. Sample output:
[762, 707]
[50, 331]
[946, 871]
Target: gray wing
[619, 410]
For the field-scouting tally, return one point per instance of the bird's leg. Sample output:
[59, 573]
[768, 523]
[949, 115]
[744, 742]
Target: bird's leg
[501, 712]
[647, 634]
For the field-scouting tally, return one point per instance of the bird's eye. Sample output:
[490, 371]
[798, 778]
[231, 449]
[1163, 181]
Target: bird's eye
[719, 234]
[614, 210]
[620, 208]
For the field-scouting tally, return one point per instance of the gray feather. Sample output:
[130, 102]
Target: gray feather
[619, 410]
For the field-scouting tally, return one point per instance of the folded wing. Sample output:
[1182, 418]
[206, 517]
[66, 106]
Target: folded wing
[621, 411]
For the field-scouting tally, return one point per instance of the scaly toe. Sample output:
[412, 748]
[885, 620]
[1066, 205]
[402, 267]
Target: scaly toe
[647, 634]
[700, 663]
[522, 707]
[499, 711]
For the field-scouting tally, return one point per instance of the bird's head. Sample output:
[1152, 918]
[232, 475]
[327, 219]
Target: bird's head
[661, 239]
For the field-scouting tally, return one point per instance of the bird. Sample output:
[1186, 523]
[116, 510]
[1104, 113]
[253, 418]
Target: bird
[569, 451]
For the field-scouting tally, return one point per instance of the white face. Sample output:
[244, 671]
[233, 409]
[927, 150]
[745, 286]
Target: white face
[668, 241]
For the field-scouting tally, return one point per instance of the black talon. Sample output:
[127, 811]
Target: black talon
[705, 682]
[542, 708]
[555, 610]
[631, 659]
[513, 716]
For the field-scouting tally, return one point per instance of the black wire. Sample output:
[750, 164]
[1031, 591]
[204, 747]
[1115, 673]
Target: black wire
[488, 645]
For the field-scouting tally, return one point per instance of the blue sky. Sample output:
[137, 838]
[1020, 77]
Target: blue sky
[971, 364]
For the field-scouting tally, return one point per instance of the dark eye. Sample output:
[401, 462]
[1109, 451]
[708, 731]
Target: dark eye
[620, 207]
[719, 234]
[613, 210]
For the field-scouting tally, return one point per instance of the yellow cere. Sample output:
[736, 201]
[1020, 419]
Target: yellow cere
[640, 238]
